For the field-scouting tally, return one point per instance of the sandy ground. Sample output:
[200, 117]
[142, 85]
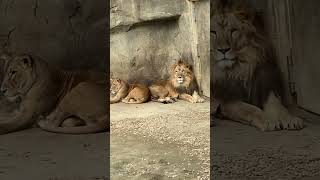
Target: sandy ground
[160, 141]
[37, 155]
[242, 152]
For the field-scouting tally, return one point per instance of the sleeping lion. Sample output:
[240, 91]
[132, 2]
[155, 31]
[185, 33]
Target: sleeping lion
[128, 93]
[54, 96]
[246, 78]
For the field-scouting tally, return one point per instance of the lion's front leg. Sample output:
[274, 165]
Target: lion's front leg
[173, 95]
[245, 113]
[276, 113]
[187, 97]
[115, 99]
[197, 97]
[18, 120]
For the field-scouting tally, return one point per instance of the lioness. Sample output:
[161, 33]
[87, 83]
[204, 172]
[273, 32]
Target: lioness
[128, 93]
[181, 84]
[246, 78]
[6, 107]
[46, 90]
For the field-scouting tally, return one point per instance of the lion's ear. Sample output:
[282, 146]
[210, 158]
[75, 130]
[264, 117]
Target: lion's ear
[119, 80]
[173, 67]
[189, 67]
[27, 61]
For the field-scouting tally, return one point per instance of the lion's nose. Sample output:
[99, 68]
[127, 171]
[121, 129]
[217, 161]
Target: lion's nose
[225, 50]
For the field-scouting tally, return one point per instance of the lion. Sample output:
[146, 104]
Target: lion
[128, 93]
[180, 85]
[52, 96]
[6, 107]
[247, 81]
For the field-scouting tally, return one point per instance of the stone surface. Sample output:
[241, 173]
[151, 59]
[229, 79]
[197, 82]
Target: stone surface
[67, 33]
[148, 36]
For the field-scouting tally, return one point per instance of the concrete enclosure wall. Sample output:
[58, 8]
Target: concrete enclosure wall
[67, 33]
[148, 36]
[294, 29]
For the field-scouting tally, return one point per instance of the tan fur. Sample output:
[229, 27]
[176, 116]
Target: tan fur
[128, 93]
[180, 85]
[6, 107]
[241, 61]
[56, 95]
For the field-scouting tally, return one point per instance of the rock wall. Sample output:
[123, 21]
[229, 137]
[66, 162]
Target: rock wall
[69, 33]
[148, 36]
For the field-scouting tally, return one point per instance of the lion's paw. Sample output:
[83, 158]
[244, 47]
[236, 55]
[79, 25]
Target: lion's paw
[292, 123]
[289, 122]
[167, 100]
[200, 100]
[44, 123]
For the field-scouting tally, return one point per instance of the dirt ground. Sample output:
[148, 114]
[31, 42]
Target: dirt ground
[160, 141]
[37, 155]
[242, 152]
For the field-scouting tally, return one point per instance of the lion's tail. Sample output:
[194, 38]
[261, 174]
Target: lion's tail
[101, 126]
[87, 129]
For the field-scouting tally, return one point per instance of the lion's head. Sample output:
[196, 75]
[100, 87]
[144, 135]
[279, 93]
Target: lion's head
[116, 85]
[19, 76]
[181, 75]
[237, 45]
[4, 58]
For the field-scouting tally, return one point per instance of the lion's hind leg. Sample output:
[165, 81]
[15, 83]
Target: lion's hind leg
[244, 113]
[137, 96]
[91, 110]
[54, 119]
[160, 94]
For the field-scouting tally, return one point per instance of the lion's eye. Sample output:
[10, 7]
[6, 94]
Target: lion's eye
[233, 31]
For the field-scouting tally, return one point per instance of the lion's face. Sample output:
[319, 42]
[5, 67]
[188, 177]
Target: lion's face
[232, 35]
[115, 86]
[19, 76]
[4, 58]
[181, 74]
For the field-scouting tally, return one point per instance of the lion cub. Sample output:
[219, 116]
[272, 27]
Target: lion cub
[128, 93]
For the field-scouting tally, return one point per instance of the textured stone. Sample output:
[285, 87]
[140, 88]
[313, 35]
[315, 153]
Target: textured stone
[66, 33]
[148, 36]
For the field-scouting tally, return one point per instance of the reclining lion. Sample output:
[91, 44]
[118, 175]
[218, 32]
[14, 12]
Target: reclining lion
[246, 78]
[128, 93]
[46, 91]
[180, 85]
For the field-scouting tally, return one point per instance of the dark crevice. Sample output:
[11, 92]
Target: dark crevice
[76, 11]
[35, 8]
[7, 42]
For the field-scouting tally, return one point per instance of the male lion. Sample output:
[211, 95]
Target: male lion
[63, 96]
[181, 84]
[128, 93]
[246, 78]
